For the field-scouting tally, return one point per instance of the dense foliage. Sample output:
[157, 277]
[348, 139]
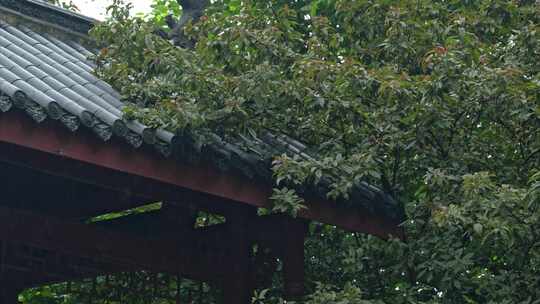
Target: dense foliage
[437, 102]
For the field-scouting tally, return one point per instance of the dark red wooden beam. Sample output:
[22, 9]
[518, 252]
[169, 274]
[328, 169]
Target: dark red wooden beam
[51, 267]
[51, 148]
[25, 188]
[50, 137]
[122, 183]
[121, 251]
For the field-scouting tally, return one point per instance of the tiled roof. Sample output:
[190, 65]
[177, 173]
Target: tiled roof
[51, 78]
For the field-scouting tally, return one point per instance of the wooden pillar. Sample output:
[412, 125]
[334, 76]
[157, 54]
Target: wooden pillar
[294, 234]
[238, 287]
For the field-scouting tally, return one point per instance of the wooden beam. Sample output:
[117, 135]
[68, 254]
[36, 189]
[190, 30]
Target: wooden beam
[25, 188]
[119, 182]
[51, 138]
[52, 267]
[50, 148]
[122, 250]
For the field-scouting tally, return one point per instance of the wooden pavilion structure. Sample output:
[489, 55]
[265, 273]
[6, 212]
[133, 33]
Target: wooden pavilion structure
[67, 156]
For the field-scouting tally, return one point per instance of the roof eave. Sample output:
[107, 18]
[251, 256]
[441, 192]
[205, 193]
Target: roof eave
[49, 15]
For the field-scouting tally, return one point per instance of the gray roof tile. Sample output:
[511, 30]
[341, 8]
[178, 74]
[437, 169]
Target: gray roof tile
[20, 36]
[52, 83]
[69, 52]
[37, 72]
[6, 74]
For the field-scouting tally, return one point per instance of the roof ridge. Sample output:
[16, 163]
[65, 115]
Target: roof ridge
[43, 12]
[61, 10]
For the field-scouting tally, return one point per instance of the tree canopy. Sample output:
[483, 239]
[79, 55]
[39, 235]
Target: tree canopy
[436, 102]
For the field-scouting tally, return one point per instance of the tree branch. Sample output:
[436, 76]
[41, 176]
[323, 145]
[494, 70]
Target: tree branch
[192, 11]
